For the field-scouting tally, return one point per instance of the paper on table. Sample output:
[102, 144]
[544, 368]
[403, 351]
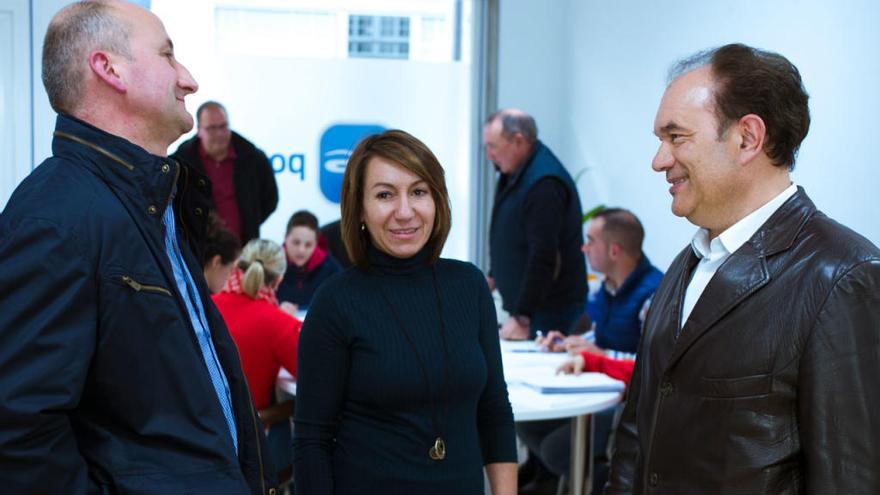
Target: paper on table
[568, 384]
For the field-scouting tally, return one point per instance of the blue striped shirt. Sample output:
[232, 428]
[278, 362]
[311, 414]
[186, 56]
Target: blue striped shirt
[188, 290]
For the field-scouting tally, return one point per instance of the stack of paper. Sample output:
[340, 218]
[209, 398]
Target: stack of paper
[574, 384]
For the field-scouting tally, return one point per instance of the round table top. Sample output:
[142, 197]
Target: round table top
[521, 362]
[528, 404]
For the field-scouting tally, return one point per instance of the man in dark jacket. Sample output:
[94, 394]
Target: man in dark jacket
[758, 369]
[118, 374]
[536, 232]
[243, 186]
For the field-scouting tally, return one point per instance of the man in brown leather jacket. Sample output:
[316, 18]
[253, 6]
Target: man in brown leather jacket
[759, 366]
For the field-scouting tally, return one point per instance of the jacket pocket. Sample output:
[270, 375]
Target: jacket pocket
[735, 388]
[136, 286]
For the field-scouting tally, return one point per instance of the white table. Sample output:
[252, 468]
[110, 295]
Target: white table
[286, 382]
[530, 405]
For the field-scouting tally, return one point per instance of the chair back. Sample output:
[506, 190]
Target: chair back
[276, 414]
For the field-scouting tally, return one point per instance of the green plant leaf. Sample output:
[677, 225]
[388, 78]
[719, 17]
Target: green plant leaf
[590, 214]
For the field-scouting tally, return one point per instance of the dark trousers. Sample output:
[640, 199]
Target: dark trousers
[280, 443]
[550, 441]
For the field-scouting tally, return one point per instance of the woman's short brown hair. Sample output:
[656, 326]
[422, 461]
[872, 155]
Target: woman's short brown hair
[405, 150]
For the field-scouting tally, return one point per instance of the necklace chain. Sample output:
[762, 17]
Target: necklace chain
[438, 449]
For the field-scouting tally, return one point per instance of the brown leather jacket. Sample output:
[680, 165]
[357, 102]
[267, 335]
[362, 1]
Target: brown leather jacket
[773, 386]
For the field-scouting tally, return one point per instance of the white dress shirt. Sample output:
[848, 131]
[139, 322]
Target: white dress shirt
[714, 253]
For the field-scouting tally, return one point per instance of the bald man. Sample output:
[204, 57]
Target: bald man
[536, 234]
[117, 374]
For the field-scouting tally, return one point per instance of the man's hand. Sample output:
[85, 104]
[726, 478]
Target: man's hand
[554, 341]
[513, 330]
[574, 366]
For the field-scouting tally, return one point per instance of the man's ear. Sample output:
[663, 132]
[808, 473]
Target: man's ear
[613, 250]
[753, 132]
[102, 64]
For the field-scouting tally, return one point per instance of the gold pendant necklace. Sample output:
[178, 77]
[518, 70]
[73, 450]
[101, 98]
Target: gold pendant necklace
[438, 451]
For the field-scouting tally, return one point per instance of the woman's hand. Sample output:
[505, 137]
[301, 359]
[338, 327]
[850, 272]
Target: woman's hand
[574, 366]
[502, 477]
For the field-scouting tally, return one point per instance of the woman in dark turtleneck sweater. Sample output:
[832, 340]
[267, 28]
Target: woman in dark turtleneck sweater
[399, 382]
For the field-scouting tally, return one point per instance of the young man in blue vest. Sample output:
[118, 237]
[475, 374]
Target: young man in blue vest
[617, 310]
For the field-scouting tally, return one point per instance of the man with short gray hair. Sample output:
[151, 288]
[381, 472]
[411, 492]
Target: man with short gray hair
[117, 374]
[536, 231]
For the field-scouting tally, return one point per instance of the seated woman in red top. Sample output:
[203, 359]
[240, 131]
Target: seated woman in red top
[266, 336]
[554, 445]
[619, 369]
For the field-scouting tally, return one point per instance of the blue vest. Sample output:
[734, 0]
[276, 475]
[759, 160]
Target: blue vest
[508, 246]
[617, 316]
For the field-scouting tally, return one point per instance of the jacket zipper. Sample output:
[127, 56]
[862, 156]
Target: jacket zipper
[181, 175]
[138, 287]
[173, 184]
[97, 148]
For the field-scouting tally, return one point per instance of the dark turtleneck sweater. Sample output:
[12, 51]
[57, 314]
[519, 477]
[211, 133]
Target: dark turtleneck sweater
[365, 416]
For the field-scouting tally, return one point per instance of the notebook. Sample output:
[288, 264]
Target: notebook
[574, 384]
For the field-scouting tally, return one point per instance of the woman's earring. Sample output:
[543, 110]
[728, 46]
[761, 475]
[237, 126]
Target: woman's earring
[363, 226]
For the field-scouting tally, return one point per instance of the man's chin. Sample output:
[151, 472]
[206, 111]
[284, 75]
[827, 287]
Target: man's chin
[679, 210]
[182, 129]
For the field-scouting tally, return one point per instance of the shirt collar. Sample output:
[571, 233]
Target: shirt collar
[739, 233]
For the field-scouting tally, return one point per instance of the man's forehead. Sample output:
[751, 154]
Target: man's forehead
[213, 113]
[141, 19]
[493, 128]
[690, 94]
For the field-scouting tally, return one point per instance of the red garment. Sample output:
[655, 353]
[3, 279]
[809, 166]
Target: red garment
[266, 338]
[619, 369]
[223, 187]
[233, 284]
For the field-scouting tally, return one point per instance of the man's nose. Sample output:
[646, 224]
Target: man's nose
[663, 159]
[186, 80]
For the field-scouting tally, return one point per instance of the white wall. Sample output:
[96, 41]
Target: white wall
[15, 95]
[532, 61]
[614, 65]
[44, 116]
